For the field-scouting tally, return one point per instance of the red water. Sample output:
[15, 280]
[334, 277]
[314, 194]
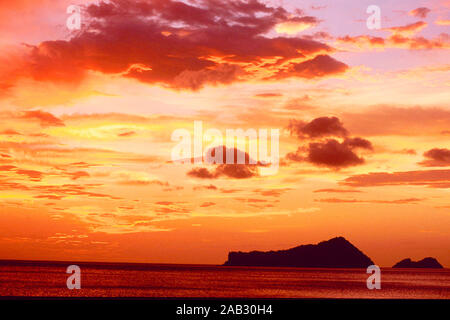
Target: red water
[152, 280]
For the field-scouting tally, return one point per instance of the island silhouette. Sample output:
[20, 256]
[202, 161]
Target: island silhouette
[334, 253]
[428, 262]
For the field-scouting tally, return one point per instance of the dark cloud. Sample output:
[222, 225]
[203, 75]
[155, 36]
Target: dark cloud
[237, 171]
[330, 152]
[234, 156]
[180, 45]
[297, 156]
[436, 158]
[234, 171]
[319, 127]
[201, 173]
[353, 143]
[333, 154]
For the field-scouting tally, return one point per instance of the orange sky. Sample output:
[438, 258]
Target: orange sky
[87, 116]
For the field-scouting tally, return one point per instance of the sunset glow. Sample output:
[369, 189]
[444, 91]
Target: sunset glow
[87, 118]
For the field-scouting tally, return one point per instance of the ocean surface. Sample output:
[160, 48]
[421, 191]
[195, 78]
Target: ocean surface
[48, 279]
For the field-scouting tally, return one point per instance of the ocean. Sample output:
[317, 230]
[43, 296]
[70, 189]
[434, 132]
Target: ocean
[48, 279]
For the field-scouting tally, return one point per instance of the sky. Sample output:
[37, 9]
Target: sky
[88, 117]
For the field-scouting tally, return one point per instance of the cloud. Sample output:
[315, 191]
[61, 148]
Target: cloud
[247, 169]
[400, 37]
[207, 204]
[319, 127]
[336, 191]
[127, 134]
[253, 200]
[268, 95]
[334, 154]
[436, 158]
[235, 171]
[406, 151]
[439, 42]
[165, 203]
[421, 12]
[78, 175]
[46, 119]
[224, 153]
[398, 201]
[72, 190]
[275, 192]
[49, 196]
[430, 178]
[354, 143]
[207, 187]
[180, 45]
[33, 175]
[201, 173]
[229, 191]
[361, 41]
[319, 66]
[10, 132]
[409, 29]
[330, 152]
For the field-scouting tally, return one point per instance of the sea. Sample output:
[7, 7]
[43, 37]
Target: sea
[48, 279]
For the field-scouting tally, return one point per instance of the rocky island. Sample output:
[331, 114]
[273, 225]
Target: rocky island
[424, 263]
[334, 253]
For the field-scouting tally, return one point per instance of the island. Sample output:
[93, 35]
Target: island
[424, 263]
[334, 253]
